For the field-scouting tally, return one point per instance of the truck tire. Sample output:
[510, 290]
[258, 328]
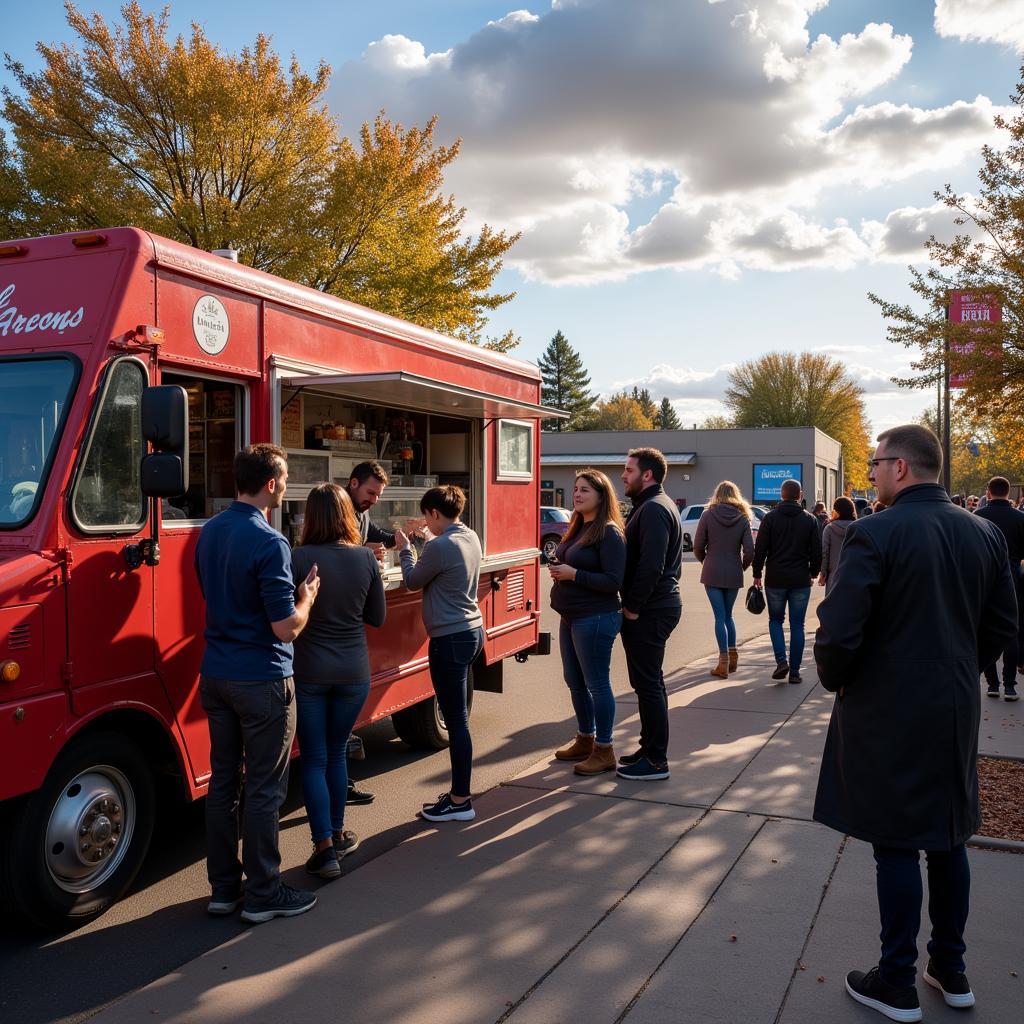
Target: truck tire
[422, 725]
[76, 844]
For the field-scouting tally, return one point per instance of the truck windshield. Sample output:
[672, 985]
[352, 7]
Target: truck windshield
[34, 397]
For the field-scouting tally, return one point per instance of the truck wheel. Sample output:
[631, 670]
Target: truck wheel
[422, 725]
[76, 845]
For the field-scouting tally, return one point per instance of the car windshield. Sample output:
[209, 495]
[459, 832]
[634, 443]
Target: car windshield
[559, 515]
[34, 396]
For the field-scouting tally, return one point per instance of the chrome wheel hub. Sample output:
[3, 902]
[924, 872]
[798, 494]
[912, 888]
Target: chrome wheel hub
[90, 829]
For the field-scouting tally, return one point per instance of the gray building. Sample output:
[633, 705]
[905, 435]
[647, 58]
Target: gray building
[756, 460]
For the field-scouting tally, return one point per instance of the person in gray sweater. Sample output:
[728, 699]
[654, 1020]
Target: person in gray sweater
[724, 546]
[332, 665]
[844, 512]
[448, 573]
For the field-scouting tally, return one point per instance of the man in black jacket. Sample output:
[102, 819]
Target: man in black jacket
[1010, 522]
[922, 602]
[789, 539]
[651, 606]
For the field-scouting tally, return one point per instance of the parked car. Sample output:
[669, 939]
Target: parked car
[553, 524]
[691, 514]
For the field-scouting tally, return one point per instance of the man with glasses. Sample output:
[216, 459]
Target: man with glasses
[902, 641]
[789, 539]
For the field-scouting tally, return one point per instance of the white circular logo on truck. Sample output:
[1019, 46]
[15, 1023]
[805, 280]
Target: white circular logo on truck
[210, 325]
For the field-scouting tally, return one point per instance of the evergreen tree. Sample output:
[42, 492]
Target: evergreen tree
[564, 384]
[667, 418]
[646, 403]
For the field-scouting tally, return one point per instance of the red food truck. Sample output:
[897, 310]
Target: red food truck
[101, 617]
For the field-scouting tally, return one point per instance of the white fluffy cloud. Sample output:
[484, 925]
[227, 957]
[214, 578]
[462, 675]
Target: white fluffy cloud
[996, 21]
[901, 236]
[570, 119]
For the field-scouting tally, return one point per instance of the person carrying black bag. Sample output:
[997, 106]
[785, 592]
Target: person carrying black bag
[651, 606]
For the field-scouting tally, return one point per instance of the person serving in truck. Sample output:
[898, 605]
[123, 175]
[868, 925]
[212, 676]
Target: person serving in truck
[365, 486]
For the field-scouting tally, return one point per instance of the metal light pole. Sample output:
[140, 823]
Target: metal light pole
[947, 474]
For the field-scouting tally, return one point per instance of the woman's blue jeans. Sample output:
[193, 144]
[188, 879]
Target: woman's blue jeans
[586, 647]
[722, 599]
[327, 712]
[450, 659]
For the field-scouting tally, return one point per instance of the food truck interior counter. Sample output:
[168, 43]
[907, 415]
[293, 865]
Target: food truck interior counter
[327, 435]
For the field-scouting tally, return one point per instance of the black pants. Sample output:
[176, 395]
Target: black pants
[251, 723]
[644, 640]
[450, 658]
[1012, 653]
[898, 878]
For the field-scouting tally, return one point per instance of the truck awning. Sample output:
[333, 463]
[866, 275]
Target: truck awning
[609, 459]
[398, 389]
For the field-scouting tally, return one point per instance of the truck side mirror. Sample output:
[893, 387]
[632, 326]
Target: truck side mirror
[165, 427]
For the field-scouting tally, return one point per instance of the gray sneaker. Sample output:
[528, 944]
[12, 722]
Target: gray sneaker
[286, 902]
[222, 904]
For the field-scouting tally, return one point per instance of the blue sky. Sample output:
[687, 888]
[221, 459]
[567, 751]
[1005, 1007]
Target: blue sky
[697, 181]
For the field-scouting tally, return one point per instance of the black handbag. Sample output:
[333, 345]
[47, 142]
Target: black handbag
[755, 600]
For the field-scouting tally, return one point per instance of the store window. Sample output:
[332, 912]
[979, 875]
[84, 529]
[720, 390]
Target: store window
[820, 494]
[108, 495]
[515, 450]
[215, 434]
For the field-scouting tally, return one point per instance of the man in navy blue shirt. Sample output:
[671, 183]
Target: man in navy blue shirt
[253, 613]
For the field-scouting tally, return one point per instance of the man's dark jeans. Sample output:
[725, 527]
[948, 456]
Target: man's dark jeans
[898, 879]
[1012, 651]
[796, 598]
[251, 724]
[644, 640]
[450, 658]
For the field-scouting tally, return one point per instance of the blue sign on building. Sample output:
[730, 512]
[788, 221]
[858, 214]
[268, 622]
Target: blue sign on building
[768, 479]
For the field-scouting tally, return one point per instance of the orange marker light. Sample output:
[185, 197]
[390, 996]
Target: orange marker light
[84, 241]
[9, 671]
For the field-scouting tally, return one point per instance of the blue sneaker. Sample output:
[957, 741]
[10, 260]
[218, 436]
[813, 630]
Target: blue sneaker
[445, 810]
[642, 770]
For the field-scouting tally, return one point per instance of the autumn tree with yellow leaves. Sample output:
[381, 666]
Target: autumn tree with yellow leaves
[784, 389]
[214, 149]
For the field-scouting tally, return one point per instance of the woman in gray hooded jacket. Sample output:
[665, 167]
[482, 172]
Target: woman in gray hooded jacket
[724, 545]
[844, 512]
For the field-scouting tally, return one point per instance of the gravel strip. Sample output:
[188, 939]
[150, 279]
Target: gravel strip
[1002, 798]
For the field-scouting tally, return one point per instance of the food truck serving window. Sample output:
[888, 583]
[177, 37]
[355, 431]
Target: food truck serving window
[515, 450]
[107, 497]
[35, 394]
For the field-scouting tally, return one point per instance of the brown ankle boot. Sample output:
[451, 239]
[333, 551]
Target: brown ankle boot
[581, 747]
[722, 668]
[734, 658]
[601, 760]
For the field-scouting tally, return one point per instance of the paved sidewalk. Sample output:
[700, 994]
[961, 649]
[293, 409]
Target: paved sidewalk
[710, 897]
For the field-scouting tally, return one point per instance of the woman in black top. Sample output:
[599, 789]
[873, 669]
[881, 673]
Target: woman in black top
[588, 569]
[332, 665]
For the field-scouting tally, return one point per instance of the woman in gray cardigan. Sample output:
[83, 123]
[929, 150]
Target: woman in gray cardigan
[844, 512]
[724, 545]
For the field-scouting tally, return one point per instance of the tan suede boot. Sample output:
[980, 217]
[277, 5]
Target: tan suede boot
[601, 760]
[722, 668]
[734, 659]
[581, 747]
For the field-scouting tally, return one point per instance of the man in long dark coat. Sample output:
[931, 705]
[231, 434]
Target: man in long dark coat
[923, 600]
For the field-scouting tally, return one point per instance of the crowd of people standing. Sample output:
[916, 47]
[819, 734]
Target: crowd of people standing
[902, 650]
